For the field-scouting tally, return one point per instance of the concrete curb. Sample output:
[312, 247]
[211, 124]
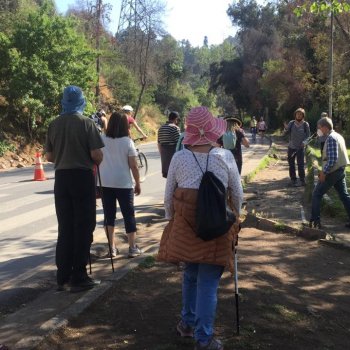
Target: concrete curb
[307, 233]
[61, 320]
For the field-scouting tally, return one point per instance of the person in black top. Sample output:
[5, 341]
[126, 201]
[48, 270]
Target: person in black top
[168, 135]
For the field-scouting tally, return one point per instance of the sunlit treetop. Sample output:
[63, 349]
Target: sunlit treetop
[323, 6]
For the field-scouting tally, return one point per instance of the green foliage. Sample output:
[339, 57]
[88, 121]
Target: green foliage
[342, 99]
[323, 6]
[42, 56]
[5, 146]
[123, 85]
[148, 262]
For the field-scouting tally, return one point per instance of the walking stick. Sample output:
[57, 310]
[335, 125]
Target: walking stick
[90, 262]
[236, 289]
[104, 217]
[306, 142]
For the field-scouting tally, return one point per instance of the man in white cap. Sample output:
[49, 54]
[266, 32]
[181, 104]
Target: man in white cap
[127, 109]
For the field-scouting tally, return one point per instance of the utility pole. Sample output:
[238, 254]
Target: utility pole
[330, 101]
[98, 35]
[134, 21]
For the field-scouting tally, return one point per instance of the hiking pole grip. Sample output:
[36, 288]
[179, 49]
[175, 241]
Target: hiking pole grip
[104, 217]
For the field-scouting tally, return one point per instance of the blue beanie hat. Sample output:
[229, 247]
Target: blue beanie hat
[73, 100]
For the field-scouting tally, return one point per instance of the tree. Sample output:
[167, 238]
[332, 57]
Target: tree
[41, 57]
[138, 42]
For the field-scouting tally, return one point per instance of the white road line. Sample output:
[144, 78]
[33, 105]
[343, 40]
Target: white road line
[12, 185]
[27, 217]
[29, 245]
[15, 203]
[48, 265]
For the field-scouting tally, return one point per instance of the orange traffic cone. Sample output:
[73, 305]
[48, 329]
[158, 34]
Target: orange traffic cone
[39, 170]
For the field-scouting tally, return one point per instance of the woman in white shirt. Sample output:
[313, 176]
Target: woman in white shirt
[119, 158]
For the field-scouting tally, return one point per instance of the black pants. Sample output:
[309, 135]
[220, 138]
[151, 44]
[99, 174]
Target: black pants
[166, 153]
[299, 155]
[125, 198]
[75, 203]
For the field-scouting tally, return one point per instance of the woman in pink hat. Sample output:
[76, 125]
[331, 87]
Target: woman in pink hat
[204, 260]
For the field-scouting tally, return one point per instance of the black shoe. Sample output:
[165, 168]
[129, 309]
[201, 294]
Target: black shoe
[293, 183]
[62, 287]
[317, 224]
[347, 225]
[86, 284]
[302, 182]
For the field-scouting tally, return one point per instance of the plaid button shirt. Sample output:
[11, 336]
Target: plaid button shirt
[332, 153]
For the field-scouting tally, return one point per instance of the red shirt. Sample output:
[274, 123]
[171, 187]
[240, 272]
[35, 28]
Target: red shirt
[131, 120]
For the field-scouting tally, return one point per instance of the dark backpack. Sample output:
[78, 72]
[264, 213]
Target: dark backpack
[213, 217]
[96, 117]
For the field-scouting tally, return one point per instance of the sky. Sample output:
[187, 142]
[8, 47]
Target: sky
[184, 19]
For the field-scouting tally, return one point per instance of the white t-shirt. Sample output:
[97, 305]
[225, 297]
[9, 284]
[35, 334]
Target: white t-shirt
[114, 169]
[184, 172]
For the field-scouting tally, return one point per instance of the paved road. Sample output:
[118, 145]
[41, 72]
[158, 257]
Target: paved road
[28, 226]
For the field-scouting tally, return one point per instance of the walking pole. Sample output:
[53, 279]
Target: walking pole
[104, 217]
[90, 262]
[236, 289]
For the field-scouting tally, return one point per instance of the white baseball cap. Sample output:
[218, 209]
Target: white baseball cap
[127, 108]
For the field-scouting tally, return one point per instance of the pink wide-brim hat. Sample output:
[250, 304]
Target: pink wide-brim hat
[202, 127]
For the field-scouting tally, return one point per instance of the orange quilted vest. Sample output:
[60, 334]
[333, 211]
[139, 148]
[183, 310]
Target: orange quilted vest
[179, 242]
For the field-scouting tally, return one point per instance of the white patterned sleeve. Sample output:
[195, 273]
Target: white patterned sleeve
[234, 183]
[170, 187]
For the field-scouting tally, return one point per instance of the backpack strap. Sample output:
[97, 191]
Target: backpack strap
[206, 167]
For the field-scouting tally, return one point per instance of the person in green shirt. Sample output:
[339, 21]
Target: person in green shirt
[74, 144]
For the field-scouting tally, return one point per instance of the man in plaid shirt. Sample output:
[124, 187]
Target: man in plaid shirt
[334, 160]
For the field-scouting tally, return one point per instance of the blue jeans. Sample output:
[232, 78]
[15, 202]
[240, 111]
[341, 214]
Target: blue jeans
[299, 154]
[253, 132]
[199, 298]
[125, 198]
[336, 179]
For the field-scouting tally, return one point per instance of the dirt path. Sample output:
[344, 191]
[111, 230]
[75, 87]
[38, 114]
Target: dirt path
[270, 195]
[294, 295]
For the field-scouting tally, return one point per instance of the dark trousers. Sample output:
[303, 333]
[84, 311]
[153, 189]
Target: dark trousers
[299, 155]
[125, 198]
[239, 160]
[75, 203]
[336, 180]
[166, 153]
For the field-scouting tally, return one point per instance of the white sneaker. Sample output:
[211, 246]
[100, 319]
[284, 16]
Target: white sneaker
[134, 251]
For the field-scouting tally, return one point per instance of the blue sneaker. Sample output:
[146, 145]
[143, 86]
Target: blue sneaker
[213, 344]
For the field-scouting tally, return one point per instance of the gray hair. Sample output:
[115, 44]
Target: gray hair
[325, 121]
[324, 114]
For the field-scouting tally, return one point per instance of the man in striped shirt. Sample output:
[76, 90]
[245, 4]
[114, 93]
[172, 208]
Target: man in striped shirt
[168, 135]
[334, 160]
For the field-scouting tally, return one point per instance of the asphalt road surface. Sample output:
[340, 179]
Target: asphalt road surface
[28, 226]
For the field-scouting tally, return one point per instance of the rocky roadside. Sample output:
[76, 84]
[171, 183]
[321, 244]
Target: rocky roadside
[22, 157]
